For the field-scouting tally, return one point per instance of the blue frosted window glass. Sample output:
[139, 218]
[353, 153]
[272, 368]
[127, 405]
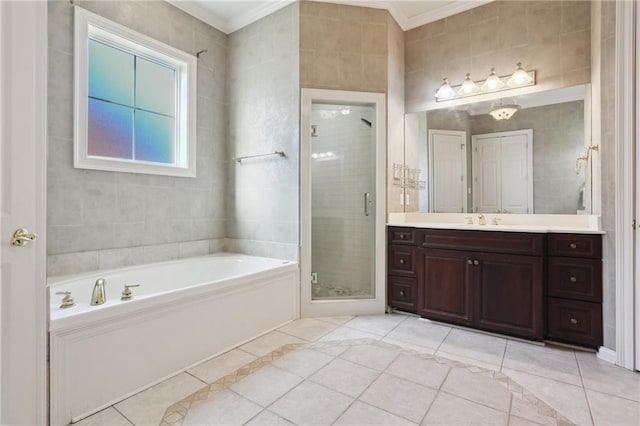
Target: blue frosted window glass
[154, 137]
[155, 87]
[110, 130]
[111, 74]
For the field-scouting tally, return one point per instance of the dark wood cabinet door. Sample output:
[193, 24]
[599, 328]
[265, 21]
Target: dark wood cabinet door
[446, 286]
[508, 294]
[402, 293]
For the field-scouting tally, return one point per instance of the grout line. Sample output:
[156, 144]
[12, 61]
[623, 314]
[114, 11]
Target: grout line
[442, 341]
[584, 390]
[196, 377]
[120, 412]
[437, 393]
[504, 354]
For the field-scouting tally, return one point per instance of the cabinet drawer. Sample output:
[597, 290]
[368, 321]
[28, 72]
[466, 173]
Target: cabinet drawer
[402, 260]
[576, 245]
[575, 278]
[485, 241]
[575, 322]
[399, 235]
[402, 293]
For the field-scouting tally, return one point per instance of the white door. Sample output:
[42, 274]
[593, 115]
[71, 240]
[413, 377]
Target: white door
[487, 178]
[342, 203]
[447, 171]
[503, 172]
[515, 173]
[23, 307]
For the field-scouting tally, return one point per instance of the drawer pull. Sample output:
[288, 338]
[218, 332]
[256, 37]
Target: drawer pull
[402, 261]
[469, 261]
[401, 293]
[573, 245]
[573, 321]
[573, 279]
[402, 236]
[475, 262]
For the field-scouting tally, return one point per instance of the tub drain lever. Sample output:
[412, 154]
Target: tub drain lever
[126, 293]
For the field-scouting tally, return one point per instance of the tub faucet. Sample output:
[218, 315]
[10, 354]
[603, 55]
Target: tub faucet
[99, 296]
[482, 220]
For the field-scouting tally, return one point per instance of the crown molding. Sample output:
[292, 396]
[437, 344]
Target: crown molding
[196, 10]
[405, 22]
[256, 14]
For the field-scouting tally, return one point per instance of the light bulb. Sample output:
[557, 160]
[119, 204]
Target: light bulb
[445, 91]
[519, 77]
[493, 82]
[468, 87]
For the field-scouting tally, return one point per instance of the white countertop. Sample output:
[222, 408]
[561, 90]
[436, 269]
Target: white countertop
[570, 224]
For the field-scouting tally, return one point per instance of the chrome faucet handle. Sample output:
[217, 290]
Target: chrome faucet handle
[496, 221]
[126, 293]
[67, 300]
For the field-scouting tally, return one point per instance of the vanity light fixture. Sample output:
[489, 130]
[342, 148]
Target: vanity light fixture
[468, 87]
[493, 83]
[520, 77]
[445, 91]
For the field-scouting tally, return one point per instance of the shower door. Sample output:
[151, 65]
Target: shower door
[341, 165]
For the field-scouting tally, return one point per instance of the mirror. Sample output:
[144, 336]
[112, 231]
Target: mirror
[462, 159]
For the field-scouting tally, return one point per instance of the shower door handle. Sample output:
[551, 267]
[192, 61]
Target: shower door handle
[367, 203]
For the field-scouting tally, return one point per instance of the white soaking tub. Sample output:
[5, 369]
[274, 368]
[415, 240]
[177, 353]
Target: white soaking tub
[184, 312]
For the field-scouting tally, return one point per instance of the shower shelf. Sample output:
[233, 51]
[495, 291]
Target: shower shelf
[278, 153]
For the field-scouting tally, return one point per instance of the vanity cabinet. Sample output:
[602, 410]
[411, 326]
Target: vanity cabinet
[574, 289]
[530, 285]
[488, 280]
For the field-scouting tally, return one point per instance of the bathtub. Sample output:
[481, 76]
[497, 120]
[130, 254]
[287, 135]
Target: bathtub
[183, 313]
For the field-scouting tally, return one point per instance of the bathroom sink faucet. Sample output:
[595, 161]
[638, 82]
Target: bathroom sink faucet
[99, 295]
[482, 220]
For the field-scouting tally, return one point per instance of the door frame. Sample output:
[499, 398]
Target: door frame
[626, 240]
[464, 182]
[23, 129]
[308, 307]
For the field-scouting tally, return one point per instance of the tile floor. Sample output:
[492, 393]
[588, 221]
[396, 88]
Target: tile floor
[374, 370]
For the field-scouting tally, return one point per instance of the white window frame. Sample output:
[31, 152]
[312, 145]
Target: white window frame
[89, 24]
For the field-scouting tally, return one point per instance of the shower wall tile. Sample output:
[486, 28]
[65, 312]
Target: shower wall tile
[608, 169]
[551, 37]
[91, 211]
[119, 258]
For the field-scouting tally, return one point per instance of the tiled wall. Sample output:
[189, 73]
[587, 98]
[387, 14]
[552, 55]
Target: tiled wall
[343, 47]
[262, 194]
[552, 37]
[395, 110]
[607, 158]
[104, 219]
[558, 140]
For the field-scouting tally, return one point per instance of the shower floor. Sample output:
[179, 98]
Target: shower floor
[330, 291]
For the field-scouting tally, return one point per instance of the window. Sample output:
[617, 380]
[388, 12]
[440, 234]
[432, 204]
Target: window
[135, 101]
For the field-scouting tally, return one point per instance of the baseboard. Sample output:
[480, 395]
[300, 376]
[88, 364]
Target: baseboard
[607, 354]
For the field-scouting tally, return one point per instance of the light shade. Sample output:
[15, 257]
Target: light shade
[493, 82]
[504, 112]
[468, 87]
[519, 77]
[445, 91]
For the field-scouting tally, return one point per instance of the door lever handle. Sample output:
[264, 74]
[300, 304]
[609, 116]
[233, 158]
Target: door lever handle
[21, 237]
